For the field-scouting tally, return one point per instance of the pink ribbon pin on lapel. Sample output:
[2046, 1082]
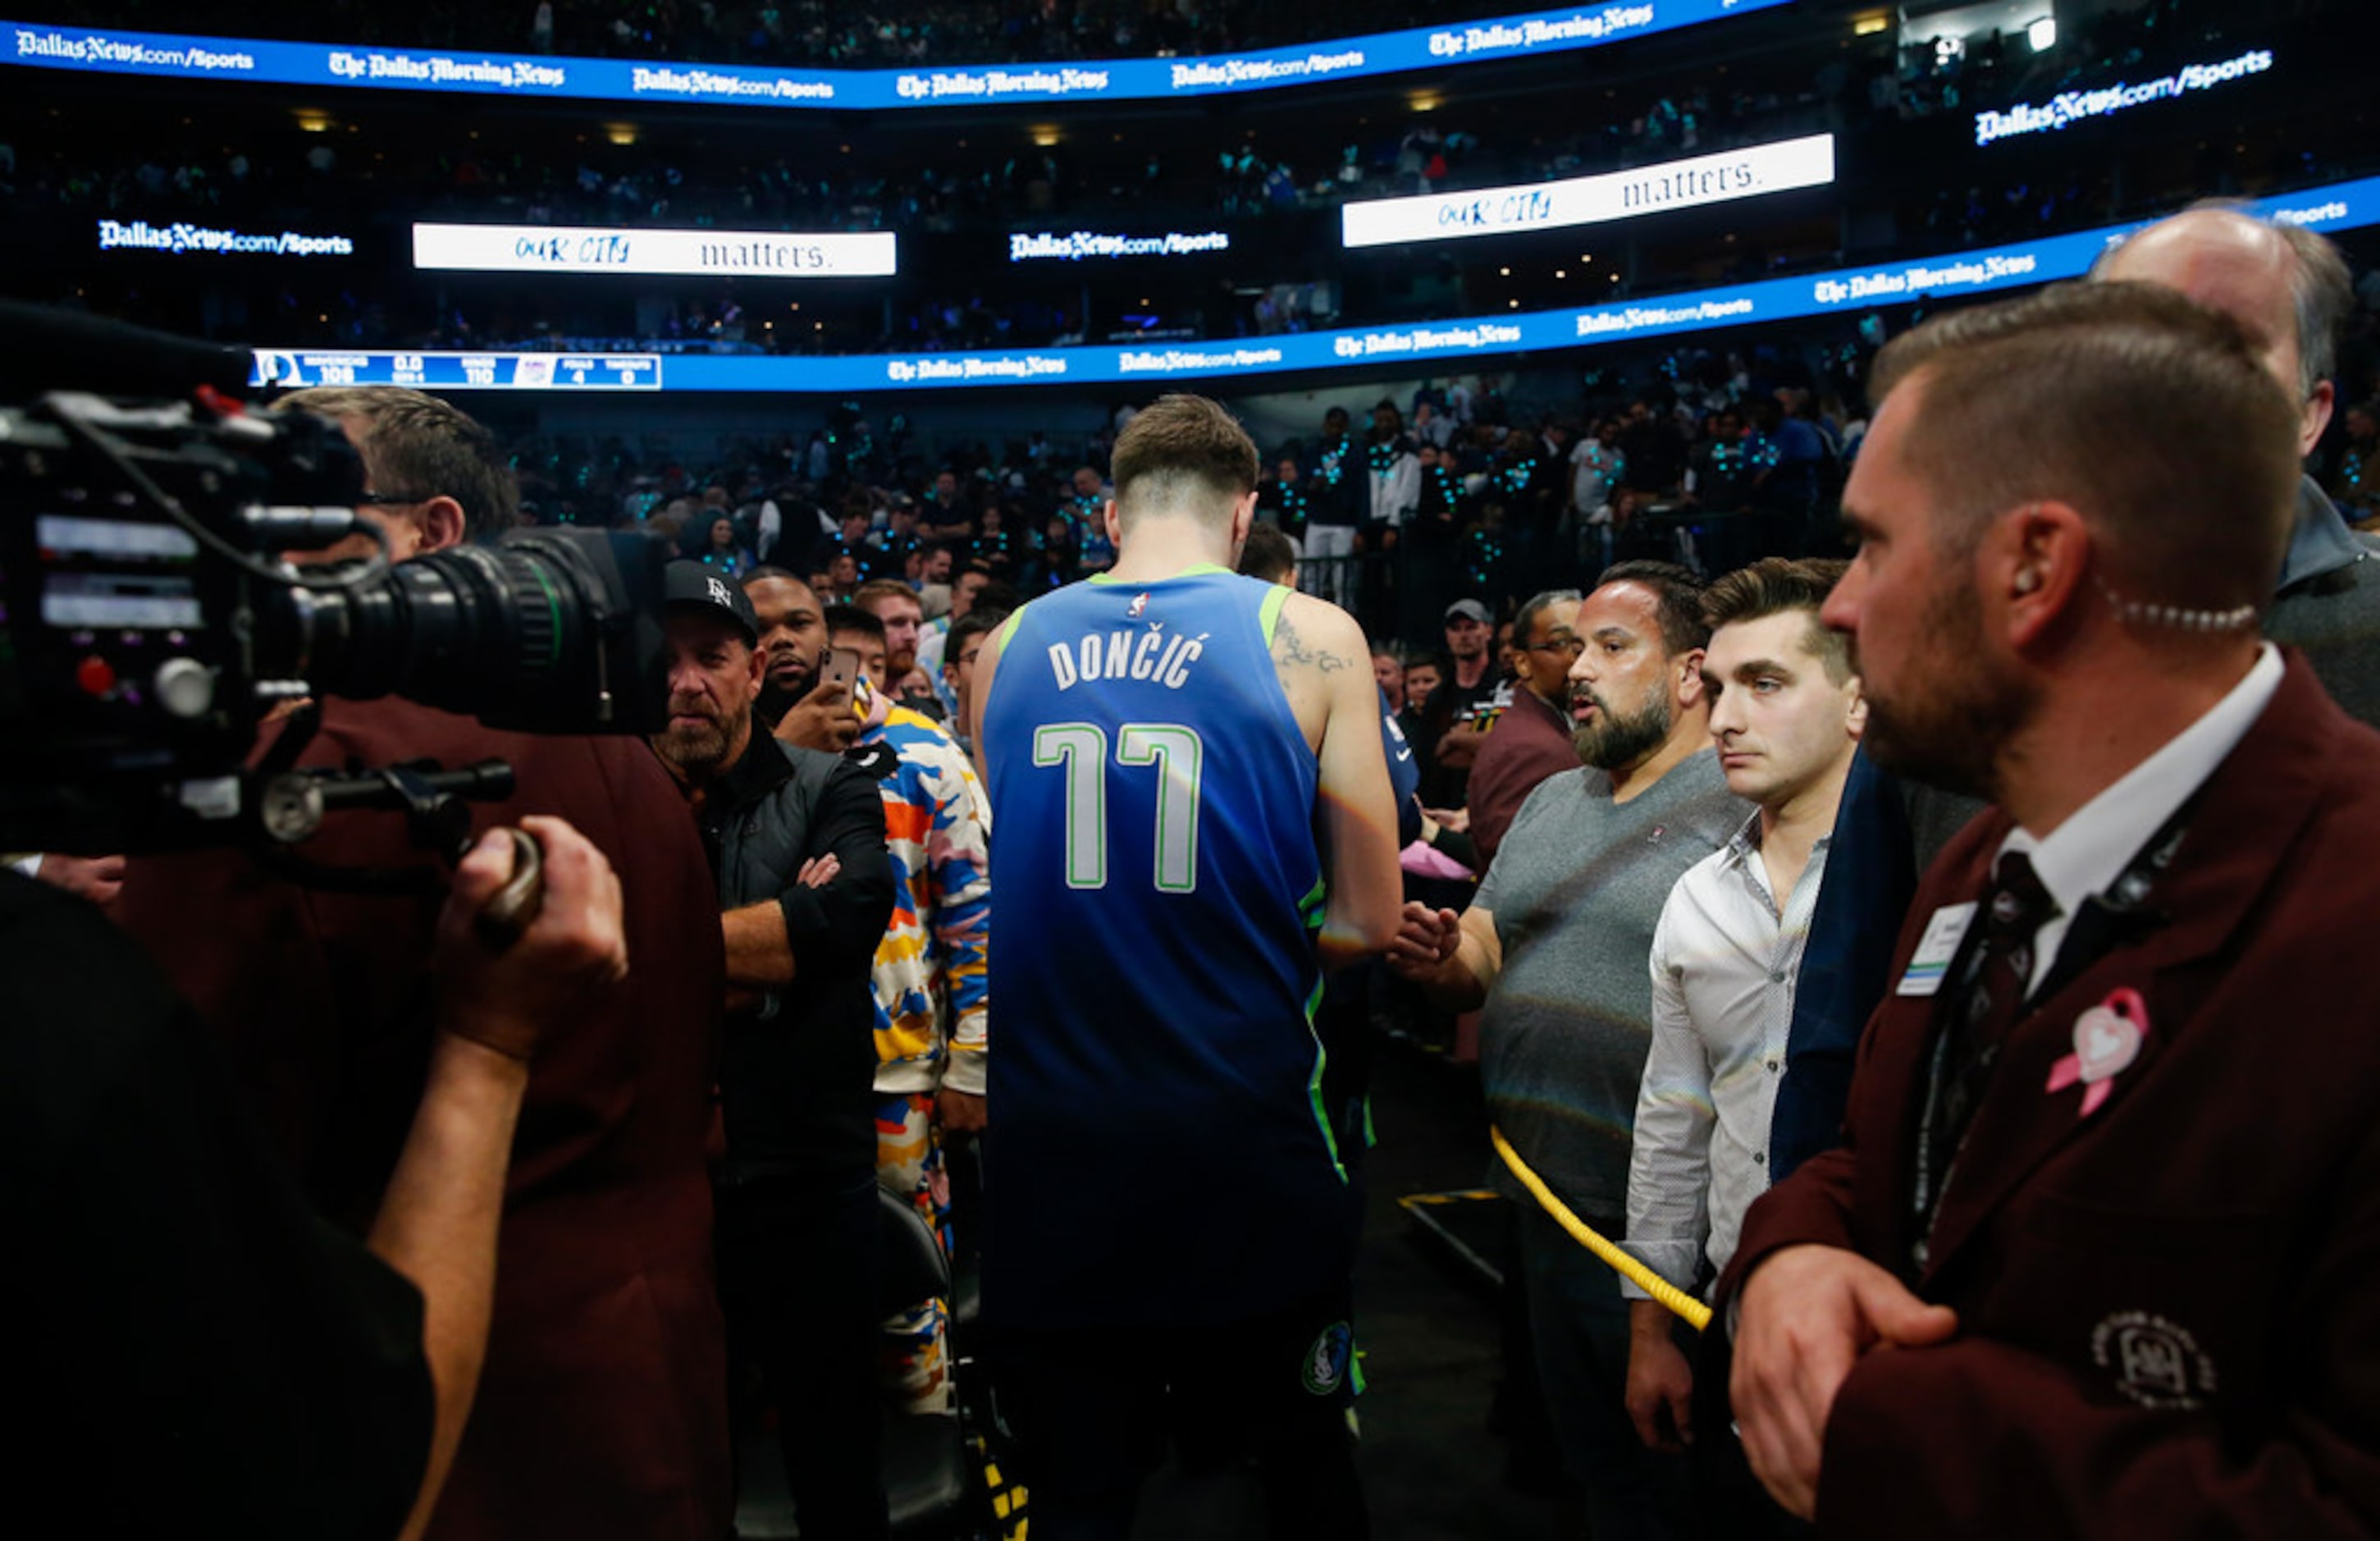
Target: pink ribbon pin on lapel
[2106, 1040]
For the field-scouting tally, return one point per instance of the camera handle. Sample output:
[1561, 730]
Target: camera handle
[292, 802]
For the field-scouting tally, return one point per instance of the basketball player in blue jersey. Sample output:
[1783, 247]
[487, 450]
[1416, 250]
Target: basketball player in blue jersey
[1194, 811]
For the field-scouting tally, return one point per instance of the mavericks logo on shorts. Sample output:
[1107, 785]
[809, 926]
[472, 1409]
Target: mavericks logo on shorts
[1325, 1362]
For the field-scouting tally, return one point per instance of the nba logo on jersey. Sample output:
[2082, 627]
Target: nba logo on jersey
[1139, 603]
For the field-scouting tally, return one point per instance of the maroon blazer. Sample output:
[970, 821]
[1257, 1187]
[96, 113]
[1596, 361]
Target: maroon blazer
[601, 1410]
[2168, 1308]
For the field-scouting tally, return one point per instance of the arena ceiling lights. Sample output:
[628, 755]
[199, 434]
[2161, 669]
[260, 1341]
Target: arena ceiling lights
[722, 253]
[51, 46]
[1764, 168]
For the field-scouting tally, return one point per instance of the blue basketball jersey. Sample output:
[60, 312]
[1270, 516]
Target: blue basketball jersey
[1157, 1149]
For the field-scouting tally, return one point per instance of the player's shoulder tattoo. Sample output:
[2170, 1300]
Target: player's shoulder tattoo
[1292, 653]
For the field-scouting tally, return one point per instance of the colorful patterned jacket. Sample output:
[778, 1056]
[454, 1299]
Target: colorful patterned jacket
[931, 988]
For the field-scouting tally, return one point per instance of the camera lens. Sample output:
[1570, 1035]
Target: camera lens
[552, 631]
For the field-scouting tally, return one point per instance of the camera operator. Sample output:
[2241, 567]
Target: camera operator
[602, 1411]
[191, 1329]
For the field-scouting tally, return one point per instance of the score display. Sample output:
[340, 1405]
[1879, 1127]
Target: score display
[293, 369]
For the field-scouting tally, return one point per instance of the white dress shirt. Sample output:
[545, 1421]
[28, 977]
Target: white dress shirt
[2087, 853]
[1724, 964]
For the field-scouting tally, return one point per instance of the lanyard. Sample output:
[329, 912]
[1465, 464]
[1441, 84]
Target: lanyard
[2104, 922]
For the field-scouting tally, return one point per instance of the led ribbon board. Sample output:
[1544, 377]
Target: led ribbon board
[2074, 106]
[580, 249]
[180, 237]
[50, 46]
[1763, 168]
[1438, 345]
[1075, 245]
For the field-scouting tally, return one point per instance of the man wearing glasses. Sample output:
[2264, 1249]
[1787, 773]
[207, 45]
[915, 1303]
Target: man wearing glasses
[1532, 740]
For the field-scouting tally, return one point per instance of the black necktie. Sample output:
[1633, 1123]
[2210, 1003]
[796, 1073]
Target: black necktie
[1980, 1008]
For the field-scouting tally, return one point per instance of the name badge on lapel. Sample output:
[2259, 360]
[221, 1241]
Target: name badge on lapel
[1936, 948]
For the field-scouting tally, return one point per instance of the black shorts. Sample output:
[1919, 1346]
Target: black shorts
[1098, 1408]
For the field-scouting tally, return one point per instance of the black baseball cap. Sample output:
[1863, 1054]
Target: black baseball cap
[698, 584]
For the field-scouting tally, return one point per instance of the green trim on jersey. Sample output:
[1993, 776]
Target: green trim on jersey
[1310, 910]
[1268, 614]
[1195, 569]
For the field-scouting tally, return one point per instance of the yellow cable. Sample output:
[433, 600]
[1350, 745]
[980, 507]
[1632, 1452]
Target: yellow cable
[1696, 1313]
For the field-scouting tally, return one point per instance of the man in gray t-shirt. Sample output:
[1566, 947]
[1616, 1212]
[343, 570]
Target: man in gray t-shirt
[1554, 947]
[1575, 896]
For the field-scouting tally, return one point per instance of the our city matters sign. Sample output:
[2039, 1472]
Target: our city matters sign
[1762, 168]
[585, 248]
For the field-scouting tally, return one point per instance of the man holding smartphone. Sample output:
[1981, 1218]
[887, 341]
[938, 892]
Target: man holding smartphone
[796, 702]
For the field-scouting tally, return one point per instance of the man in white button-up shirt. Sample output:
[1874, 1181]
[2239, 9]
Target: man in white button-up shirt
[1786, 714]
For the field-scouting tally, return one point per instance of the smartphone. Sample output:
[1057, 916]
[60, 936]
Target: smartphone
[843, 669]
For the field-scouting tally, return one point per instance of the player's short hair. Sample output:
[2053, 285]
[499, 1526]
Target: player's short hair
[2152, 415]
[1181, 453]
[1775, 584]
[1678, 596]
[416, 447]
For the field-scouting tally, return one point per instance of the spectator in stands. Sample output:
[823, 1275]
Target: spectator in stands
[1429, 428]
[1452, 741]
[2355, 484]
[803, 891]
[974, 582]
[1094, 545]
[720, 549]
[895, 605]
[965, 646]
[996, 544]
[1656, 455]
[1531, 740]
[795, 703]
[1282, 499]
[1423, 674]
[1337, 504]
[1393, 480]
[1388, 673]
[949, 514]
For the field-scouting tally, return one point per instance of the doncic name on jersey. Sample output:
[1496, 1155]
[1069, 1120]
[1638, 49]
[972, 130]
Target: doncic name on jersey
[1144, 654]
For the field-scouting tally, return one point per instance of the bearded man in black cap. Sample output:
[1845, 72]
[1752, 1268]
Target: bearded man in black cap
[795, 837]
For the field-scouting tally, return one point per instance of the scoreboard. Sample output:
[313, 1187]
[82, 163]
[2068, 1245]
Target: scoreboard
[294, 369]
